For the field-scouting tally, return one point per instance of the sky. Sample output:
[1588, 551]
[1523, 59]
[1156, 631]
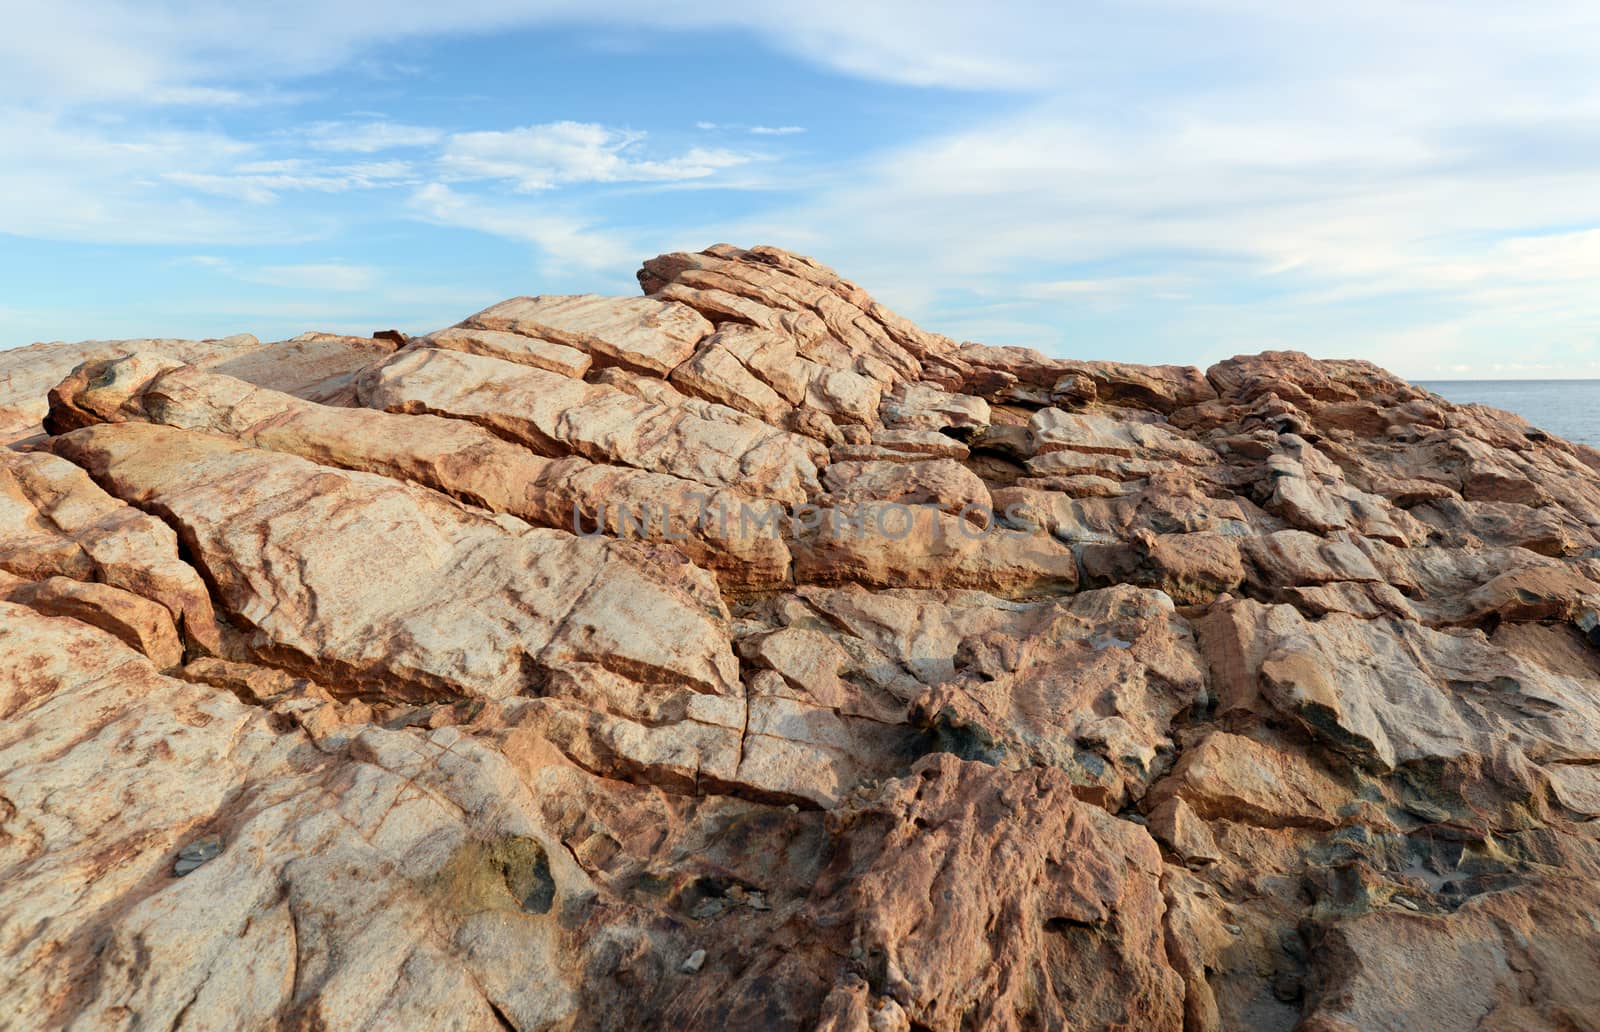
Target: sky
[1417, 183]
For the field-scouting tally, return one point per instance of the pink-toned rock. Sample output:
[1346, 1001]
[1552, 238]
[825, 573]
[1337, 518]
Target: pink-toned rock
[338, 693]
[1229, 777]
[1091, 686]
[59, 523]
[941, 483]
[453, 456]
[1055, 431]
[1386, 693]
[1295, 376]
[27, 374]
[1190, 568]
[139, 622]
[976, 868]
[318, 366]
[833, 322]
[715, 374]
[920, 406]
[1181, 830]
[901, 446]
[1517, 959]
[770, 356]
[467, 605]
[635, 333]
[1044, 380]
[893, 545]
[556, 416]
[512, 347]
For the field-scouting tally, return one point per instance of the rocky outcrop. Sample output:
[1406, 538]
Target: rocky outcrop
[316, 366]
[741, 655]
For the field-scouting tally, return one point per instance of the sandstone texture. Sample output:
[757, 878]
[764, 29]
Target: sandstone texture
[741, 655]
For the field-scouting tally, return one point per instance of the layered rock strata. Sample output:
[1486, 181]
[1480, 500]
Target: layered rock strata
[741, 655]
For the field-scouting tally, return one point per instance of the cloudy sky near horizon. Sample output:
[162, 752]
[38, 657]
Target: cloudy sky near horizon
[1149, 180]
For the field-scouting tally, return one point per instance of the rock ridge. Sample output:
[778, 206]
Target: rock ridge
[740, 654]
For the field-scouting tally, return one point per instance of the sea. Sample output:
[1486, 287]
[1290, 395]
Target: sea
[1566, 408]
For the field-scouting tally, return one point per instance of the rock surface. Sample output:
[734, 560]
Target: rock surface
[317, 366]
[743, 656]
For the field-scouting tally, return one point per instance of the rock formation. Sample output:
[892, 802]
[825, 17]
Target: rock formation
[741, 655]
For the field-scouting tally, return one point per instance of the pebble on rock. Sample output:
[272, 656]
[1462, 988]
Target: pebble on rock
[196, 853]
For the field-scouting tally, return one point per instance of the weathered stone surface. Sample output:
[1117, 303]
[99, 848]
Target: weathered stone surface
[1229, 777]
[1029, 376]
[1181, 830]
[743, 656]
[1092, 687]
[512, 347]
[1190, 568]
[318, 366]
[465, 604]
[635, 333]
[715, 374]
[453, 456]
[940, 483]
[920, 406]
[557, 416]
[58, 523]
[1518, 959]
[139, 622]
[1030, 871]
[108, 768]
[833, 322]
[1386, 693]
[27, 374]
[892, 545]
[901, 446]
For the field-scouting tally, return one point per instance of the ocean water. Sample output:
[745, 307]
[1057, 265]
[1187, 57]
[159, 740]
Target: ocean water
[1566, 408]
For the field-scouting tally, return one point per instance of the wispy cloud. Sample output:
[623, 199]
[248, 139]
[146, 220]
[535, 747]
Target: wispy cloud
[1190, 176]
[1251, 218]
[755, 130]
[336, 276]
[368, 137]
[572, 238]
[539, 157]
[262, 182]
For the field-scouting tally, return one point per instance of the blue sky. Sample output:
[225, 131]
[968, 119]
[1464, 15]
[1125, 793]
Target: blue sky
[1152, 180]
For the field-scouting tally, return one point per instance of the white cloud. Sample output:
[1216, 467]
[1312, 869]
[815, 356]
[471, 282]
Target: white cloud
[262, 182]
[756, 130]
[66, 178]
[570, 238]
[1281, 219]
[368, 137]
[539, 157]
[65, 181]
[122, 48]
[337, 276]
[1256, 171]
